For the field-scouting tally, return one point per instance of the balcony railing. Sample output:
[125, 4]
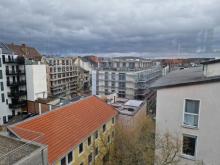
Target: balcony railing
[17, 93]
[18, 104]
[18, 60]
[16, 83]
[15, 72]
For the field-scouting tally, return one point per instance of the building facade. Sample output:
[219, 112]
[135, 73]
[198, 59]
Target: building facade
[62, 76]
[15, 77]
[13, 84]
[188, 108]
[128, 77]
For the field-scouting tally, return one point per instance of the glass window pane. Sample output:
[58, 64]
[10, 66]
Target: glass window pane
[192, 106]
[189, 145]
[191, 120]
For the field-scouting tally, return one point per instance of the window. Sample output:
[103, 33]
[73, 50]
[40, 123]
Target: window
[121, 85]
[104, 128]
[113, 134]
[108, 138]
[2, 86]
[106, 75]
[106, 83]
[63, 161]
[89, 141]
[96, 134]
[113, 76]
[121, 94]
[113, 120]
[131, 65]
[90, 158]
[113, 84]
[0, 74]
[189, 145]
[121, 76]
[191, 113]
[81, 148]
[70, 157]
[3, 97]
[96, 151]
[106, 91]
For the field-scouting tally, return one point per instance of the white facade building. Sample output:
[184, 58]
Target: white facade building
[129, 77]
[13, 85]
[36, 81]
[188, 107]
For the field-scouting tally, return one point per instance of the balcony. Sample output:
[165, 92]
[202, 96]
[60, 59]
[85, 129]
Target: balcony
[18, 104]
[15, 72]
[16, 83]
[16, 94]
[18, 60]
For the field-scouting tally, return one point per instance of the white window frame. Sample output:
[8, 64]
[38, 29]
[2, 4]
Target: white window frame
[72, 157]
[83, 149]
[190, 157]
[183, 117]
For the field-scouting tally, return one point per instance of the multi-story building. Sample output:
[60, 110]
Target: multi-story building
[84, 83]
[62, 76]
[88, 63]
[14, 82]
[77, 133]
[188, 109]
[128, 77]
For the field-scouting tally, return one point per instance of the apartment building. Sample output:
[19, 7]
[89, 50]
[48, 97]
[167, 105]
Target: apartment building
[188, 108]
[130, 112]
[75, 134]
[13, 84]
[14, 80]
[62, 76]
[88, 63]
[129, 77]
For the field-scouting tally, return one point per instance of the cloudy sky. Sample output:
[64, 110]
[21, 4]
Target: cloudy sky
[112, 26]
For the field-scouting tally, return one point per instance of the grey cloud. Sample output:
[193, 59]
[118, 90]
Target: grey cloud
[99, 26]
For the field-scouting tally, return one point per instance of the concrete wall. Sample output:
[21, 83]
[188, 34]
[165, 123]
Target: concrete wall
[169, 117]
[38, 157]
[212, 69]
[131, 122]
[36, 79]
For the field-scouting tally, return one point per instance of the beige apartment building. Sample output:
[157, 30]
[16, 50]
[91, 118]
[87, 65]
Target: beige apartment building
[188, 108]
[62, 76]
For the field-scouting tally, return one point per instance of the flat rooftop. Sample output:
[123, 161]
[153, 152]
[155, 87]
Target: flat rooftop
[127, 107]
[187, 76]
[12, 150]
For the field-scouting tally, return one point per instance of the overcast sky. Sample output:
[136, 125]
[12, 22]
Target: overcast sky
[108, 26]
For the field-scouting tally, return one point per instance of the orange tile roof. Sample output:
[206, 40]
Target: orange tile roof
[66, 127]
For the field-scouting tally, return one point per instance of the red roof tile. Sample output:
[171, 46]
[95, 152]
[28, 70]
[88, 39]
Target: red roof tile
[66, 127]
